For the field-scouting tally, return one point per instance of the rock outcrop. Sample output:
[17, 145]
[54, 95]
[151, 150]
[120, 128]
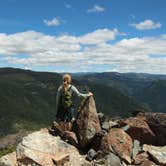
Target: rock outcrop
[87, 123]
[94, 143]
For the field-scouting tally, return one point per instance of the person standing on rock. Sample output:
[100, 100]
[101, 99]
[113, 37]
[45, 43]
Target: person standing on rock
[64, 103]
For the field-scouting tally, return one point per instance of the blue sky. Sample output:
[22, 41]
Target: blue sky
[84, 35]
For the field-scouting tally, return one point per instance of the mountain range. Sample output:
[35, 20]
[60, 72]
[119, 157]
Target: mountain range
[27, 100]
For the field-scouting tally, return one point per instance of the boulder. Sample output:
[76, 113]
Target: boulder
[96, 142]
[157, 153]
[118, 142]
[140, 158]
[138, 129]
[70, 137]
[87, 123]
[157, 123]
[9, 160]
[41, 148]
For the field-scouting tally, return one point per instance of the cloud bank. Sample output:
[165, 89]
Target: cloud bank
[87, 52]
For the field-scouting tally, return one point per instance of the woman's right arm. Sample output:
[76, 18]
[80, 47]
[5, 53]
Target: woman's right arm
[84, 95]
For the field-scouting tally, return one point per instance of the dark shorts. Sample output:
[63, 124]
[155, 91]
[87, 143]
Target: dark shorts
[65, 115]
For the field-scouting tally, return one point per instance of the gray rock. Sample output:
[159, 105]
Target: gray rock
[113, 124]
[136, 148]
[125, 128]
[105, 126]
[112, 160]
[101, 117]
[91, 154]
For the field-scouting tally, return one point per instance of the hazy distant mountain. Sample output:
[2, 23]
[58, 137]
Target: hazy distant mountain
[148, 89]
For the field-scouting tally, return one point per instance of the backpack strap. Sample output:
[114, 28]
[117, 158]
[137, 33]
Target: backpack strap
[69, 87]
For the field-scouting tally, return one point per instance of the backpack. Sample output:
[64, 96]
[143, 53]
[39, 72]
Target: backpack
[66, 99]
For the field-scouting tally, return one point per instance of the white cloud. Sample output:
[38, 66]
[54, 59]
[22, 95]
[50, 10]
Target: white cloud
[146, 25]
[82, 53]
[96, 8]
[99, 36]
[95, 37]
[54, 22]
[67, 5]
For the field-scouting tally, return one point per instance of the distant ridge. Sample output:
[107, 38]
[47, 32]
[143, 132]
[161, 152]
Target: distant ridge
[27, 98]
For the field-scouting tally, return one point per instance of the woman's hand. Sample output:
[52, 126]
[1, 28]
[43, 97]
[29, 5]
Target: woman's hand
[90, 94]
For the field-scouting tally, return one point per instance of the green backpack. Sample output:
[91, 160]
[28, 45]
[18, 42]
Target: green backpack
[66, 99]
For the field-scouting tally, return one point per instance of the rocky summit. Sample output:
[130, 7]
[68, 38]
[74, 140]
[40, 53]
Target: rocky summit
[95, 142]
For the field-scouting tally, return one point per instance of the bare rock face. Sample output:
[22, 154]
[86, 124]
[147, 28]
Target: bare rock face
[118, 142]
[9, 160]
[87, 123]
[44, 149]
[138, 129]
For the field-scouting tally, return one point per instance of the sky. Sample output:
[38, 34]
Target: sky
[84, 35]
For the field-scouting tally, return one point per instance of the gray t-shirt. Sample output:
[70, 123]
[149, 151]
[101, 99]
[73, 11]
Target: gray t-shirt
[73, 90]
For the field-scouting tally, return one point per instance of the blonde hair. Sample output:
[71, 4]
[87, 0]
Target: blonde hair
[66, 77]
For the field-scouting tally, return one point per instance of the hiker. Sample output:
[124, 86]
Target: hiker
[64, 103]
